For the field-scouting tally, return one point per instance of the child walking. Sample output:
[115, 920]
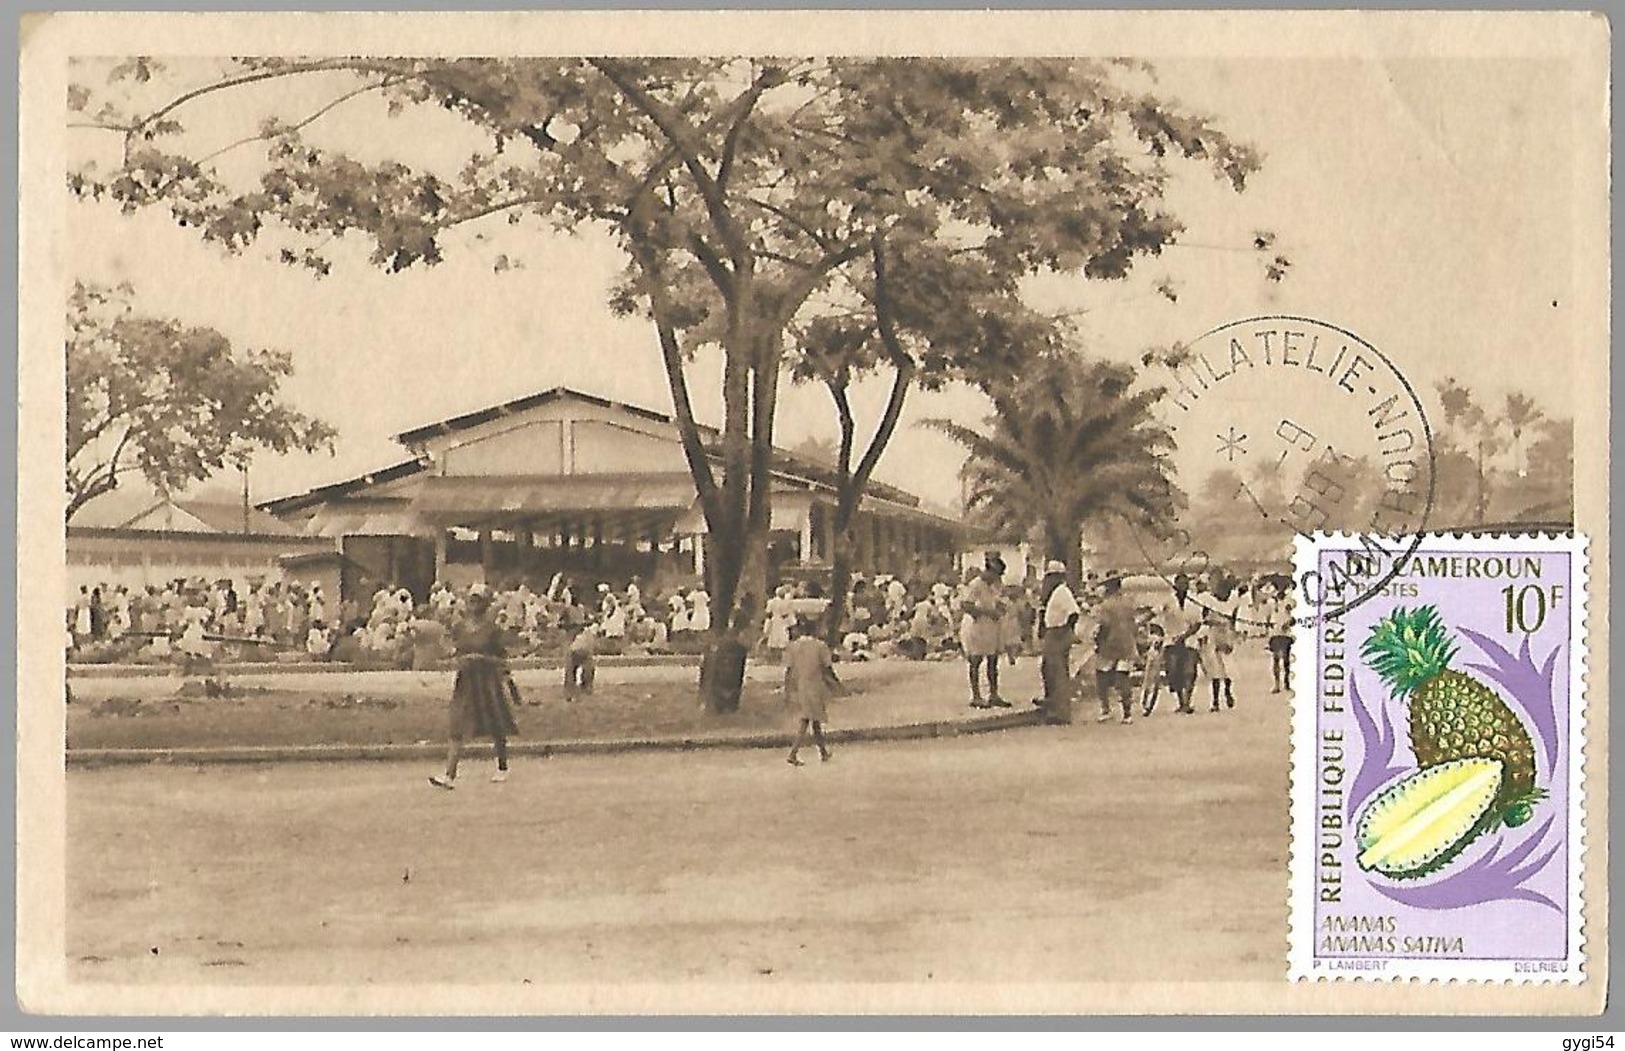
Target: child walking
[1116, 650]
[484, 694]
[809, 679]
[1280, 636]
[579, 664]
[1219, 642]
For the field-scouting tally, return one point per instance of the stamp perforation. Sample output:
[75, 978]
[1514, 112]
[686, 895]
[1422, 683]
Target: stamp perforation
[1304, 776]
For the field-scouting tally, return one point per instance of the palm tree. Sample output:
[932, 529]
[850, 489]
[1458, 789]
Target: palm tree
[1472, 429]
[1521, 413]
[1070, 441]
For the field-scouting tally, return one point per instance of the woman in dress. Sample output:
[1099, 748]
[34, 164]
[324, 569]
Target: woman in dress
[254, 613]
[81, 615]
[1219, 642]
[809, 680]
[1180, 620]
[678, 608]
[1016, 629]
[317, 607]
[781, 617]
[699, 617]
[483, 696]
[982, 607]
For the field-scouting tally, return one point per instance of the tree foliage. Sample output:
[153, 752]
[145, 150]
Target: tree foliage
[1070, 442]
[174, 403]
[822, 217]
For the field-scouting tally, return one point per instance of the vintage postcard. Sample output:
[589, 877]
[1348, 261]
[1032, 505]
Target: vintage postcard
[813, 512]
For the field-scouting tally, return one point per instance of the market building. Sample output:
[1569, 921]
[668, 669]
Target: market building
[567, 482]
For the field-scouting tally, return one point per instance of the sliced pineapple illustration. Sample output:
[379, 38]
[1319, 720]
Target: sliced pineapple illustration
[1414, 827]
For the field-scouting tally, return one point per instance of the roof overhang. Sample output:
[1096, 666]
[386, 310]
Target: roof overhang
[556, 497]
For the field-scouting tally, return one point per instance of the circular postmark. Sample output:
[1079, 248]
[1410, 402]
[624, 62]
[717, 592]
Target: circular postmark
[1287, 426]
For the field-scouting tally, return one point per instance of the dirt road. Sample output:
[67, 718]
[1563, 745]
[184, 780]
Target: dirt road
[1152, 851]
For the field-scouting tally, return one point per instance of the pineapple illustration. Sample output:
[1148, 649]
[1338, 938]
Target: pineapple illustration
[1453, 716]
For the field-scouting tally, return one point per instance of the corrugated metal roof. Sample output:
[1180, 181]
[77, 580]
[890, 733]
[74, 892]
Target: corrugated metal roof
[784, 461]
[298, 501]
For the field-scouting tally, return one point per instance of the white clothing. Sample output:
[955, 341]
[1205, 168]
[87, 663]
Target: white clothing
[781, 615]
[896, 594]
[700, 618]
[192, 641]
[1061, 607]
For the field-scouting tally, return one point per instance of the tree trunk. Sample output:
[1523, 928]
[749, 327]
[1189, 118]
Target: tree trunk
[852, 483]
[741, 576]
[1069, 552]
[1074, 566]
[741, 569]
[720, 680]
[842, 543]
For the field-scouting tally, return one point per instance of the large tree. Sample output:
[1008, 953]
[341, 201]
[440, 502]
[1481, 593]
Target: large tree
[172, 402]
[742, 190]
[1071, 441]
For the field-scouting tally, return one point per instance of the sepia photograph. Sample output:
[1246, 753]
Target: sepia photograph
[840, 513]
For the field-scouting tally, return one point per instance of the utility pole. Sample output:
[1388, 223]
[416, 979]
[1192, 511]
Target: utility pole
[244, 469]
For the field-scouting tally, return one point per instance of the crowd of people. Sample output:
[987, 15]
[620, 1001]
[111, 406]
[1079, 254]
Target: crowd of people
[1194, 630]
[226, 619]
[984, 618]
[189, 617]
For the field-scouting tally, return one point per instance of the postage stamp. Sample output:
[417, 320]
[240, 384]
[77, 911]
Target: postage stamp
[1437, 754]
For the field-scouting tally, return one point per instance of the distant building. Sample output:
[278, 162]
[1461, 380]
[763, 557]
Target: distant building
[165, 539]
[563, 481]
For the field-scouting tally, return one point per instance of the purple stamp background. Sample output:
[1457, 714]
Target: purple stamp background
[1506, 895]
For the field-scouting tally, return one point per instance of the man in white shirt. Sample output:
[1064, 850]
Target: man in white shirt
[896, 595]
[1180, 618]
[1058, 624]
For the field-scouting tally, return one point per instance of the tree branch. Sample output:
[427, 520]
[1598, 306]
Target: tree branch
[798, 292]
[90, 434]
[847, 497]
[299, 69]
[819, 238]
[486, 210]
[298, 125]
[672, 357]
[902, 361]
[769, 78]
[96, 483]
[681, 136]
